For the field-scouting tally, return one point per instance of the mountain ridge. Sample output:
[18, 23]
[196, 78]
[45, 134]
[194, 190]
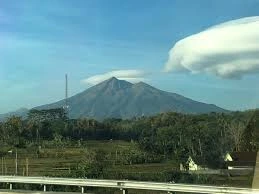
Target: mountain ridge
[21, 112]
[114, 98]
[121, 99]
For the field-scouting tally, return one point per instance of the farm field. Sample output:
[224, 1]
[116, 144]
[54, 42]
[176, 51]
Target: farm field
[50, 160]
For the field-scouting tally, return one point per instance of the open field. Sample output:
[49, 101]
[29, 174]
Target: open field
[60, 161]
[56, 160]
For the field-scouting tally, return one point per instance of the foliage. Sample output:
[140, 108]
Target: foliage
[205, 137]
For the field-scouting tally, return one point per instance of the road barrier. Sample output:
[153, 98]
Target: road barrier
[125, 185]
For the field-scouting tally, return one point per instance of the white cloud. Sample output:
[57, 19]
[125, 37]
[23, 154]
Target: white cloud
[132, 75]
[228, 50]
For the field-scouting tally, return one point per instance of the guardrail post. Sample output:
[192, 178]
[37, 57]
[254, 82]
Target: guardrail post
[121, 186]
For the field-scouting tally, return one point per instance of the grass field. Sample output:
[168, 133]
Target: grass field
[57, 161]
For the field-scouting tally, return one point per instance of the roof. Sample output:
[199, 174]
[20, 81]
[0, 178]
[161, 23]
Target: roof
[242, 159]
[244, 156]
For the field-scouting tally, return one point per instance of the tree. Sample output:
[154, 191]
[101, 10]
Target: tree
[12, 131]
[92, 165]
[251, 134]
[236, 129]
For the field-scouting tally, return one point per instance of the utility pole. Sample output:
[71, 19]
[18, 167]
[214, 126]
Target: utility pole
[16, 162]
[116, 156]
[5, 167]
[66, 97]
[66, 93]
[27, 167]
[2, 165]
[66, 106]
[37, 134]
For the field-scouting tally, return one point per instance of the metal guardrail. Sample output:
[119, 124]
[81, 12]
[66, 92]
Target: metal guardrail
[124, 185]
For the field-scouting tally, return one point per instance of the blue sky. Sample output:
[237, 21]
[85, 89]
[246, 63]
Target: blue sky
[40, 41]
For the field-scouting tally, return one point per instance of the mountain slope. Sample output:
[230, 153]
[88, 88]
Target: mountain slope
[121, 99]
[22, 112]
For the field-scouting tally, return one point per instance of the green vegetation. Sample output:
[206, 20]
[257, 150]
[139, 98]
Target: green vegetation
[147, 148]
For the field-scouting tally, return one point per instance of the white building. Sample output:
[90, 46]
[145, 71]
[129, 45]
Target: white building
[191, 165]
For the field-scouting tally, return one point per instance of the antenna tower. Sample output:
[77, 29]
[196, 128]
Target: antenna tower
[66, 107]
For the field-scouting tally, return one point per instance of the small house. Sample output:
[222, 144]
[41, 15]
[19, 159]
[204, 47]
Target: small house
[240, 160]
[191, 165]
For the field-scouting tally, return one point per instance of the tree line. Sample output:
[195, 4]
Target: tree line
[205, 137]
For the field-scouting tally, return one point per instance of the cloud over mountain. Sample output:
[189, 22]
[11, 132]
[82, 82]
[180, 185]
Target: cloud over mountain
[228, 50]
[115, 98]
[132, 75]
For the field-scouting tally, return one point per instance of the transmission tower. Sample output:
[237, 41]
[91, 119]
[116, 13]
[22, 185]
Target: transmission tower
[66, 106]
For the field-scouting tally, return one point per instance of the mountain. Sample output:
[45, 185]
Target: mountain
[22, 112]
[121, 99]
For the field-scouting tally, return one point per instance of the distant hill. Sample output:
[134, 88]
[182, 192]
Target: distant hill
[121, 99]
[22, 112]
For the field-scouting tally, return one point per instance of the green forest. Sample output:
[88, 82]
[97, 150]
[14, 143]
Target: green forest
[114, 148]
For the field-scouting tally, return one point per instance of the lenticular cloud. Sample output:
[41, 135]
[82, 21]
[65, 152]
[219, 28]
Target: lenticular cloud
[228, 50]
[132, 75]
